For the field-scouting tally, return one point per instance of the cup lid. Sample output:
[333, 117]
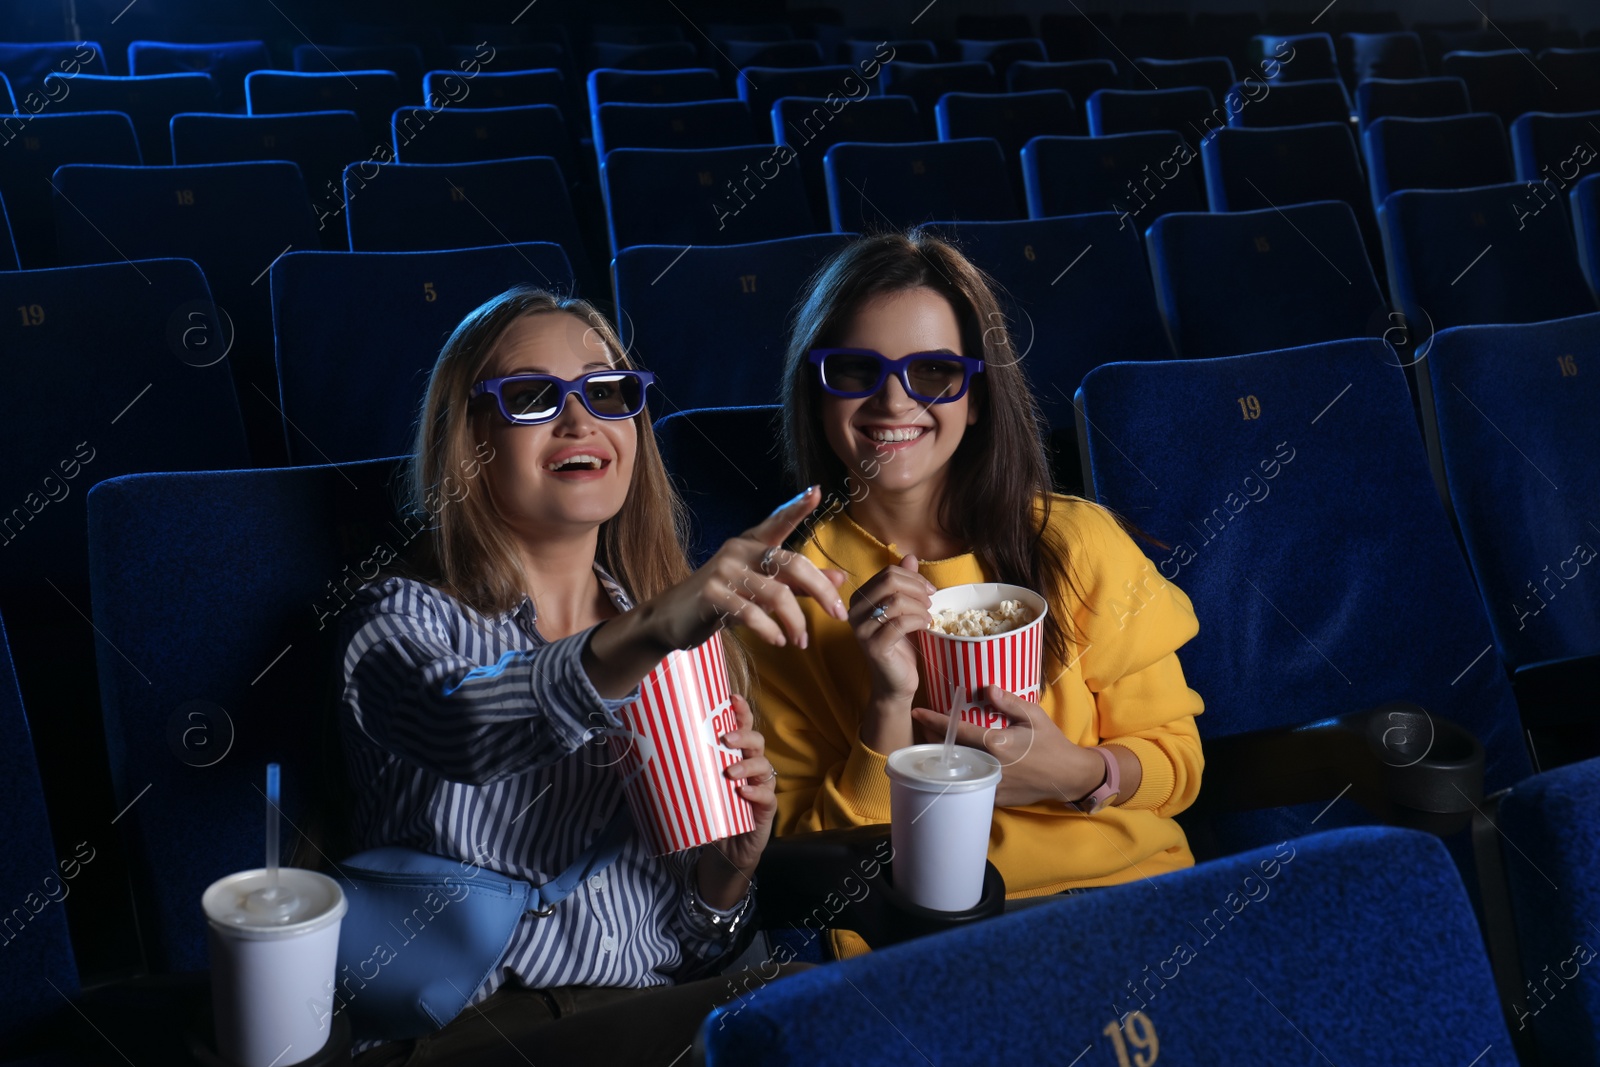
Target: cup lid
[923, 767]
[316, 902]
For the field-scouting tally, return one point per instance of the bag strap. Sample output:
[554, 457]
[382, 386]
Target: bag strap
[601, 853]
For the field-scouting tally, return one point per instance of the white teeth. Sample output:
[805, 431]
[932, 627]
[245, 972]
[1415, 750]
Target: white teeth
[889, 436]
[592, 462]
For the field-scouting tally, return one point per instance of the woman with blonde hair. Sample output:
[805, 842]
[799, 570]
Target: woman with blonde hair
[480, 683]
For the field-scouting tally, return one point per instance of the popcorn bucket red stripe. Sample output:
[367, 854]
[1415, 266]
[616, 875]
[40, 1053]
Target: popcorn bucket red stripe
[675, 786]
[956, 666]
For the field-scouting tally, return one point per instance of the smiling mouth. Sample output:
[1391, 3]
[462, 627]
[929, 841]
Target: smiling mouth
[577, 463]
[898, 435]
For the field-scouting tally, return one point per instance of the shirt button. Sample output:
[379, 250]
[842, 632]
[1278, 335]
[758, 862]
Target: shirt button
[597, 882]
[608, 943]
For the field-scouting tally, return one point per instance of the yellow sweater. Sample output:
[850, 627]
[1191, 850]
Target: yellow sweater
[1124, 684]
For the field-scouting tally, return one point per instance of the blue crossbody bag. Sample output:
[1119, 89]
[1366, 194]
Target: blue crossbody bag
[423, 932]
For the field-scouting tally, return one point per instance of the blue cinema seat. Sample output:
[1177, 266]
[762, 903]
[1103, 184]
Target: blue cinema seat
[1142, 110]
[878, 186]
[1010, 118]
[687, 124]
[716, 196]
[1286, 103]
[1584, 200]
[726, 466]
[374, 95]
[810, 125]
[28, 163]
[1416, 98]
[471, 135]
[149, 101]
[228, 62]
[25, 66]
[1452, 152]
[761, 87]
[1137, 175]
[1558, 148]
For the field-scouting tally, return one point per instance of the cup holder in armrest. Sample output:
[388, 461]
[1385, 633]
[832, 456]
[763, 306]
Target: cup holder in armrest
[1429, 764]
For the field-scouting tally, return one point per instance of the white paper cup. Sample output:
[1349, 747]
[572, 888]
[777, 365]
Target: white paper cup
[939, 824]
[954, 668]
[272, 977]
[674, 763]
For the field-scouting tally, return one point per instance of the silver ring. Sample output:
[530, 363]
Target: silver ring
[769, 777]
[879, 613]
[767, 566]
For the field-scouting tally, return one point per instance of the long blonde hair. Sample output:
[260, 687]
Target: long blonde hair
[468, 551]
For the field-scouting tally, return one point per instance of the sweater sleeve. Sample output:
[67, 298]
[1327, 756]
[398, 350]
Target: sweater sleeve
[827, 778]
[1132, 622]
[411, 691]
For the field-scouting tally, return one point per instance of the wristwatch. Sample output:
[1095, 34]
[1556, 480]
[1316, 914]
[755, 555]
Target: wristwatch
[1108, 790]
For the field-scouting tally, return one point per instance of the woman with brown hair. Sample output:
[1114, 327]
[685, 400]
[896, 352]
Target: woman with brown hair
[904, 399]
[481, 681]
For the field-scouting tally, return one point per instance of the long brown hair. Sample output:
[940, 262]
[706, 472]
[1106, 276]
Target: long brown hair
[997, 496]
[468, 550]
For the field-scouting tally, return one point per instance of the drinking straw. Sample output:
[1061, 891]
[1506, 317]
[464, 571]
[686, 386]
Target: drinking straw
[272, 828]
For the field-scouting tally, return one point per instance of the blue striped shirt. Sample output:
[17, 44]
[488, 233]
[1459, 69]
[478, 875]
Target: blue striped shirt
[471, 736]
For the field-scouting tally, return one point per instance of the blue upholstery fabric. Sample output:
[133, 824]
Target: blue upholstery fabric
[1309, 538]
[716, 196]
[509, 88]
[810, 126]
[380, 342]
[1079, 78]
[1068, 314]
[1300, 57]
[173, 558]
[1395, 54]
[1554, 874]
[1416, 98]
[404, 61]
[725, 464]
[879, 186]
[320, 143]
[1560, 149]
[1453, 152]
[228, 63]
[1287, 103]
[149, 101]
[373, 95]
[8, 99]
[1434, 238]
[233, 219]
[1140, 110]
[471, 135]
[761, 87]
[1505, 82]
[1142, 175]
[1574, 75]
[28, 165]
[1013, 119]
[653, 87]
[1585, 202]
[1250, 169]
[1211, 72]
[26, 65]
[666, 292]
[1201, 954]
[8, 245]
[691, 124]
[37, 952]
[927, 82]
[1249, 281]
[1525, 509]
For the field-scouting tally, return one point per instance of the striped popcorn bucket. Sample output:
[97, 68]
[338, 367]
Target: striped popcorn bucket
[955, 668]
[672, 772]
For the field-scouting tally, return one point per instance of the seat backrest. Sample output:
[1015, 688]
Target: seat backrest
[26, 65]
[34, 930]
[1296, 57]
[1395, 54]
[927, 82]
[695, 124]
[916, 182]
[1403, 929]
[1010, 118]
[228, 63]
[373, 95]
[1076, 293]
[165, 563]
[748, 290]
[510, 88]
[320, 143]
[1141, 110]
[149, 101]
[1287, 103]
[1213, 72]
[1500, 253]
[607, 86]
[1078, 78]
[809, 126]
[1556, 149]
[474, 134]
[1416, 98]
[1231, 461]
[1138, 175]
[1507, 82]
[380, 341]
[1229, 283]
[1585, 202]
[1453, 152]
[1490, 385]
[761, 87]
[725, 463]
[1574, 79]
[703, 196]
[34, 147]
[402, 60]
[1552, 875]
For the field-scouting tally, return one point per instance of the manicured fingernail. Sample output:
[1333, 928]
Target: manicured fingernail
[840, 611]
[805, 640]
